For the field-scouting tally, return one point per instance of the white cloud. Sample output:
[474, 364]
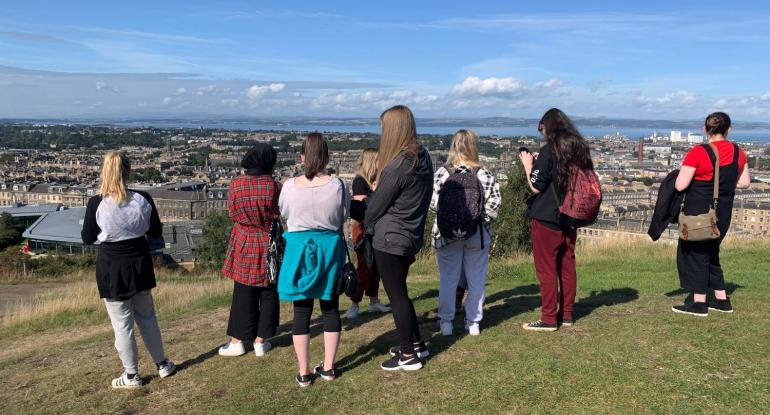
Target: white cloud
[256, 92]
[680, 98]
[167, 101]
[508, 87]
[181, 91]
[229, 102]
[104, 86]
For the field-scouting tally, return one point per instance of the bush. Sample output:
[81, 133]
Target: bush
[511, 229]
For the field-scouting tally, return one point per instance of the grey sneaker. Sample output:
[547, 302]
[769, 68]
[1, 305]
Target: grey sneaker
[126, 382]
[166, 368]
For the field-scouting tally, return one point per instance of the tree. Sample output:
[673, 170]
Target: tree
[216, 236]
[153, 175]
[10, 234]
[648, 181]
[511, 229]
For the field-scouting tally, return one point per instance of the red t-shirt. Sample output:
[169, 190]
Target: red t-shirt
[704, 170]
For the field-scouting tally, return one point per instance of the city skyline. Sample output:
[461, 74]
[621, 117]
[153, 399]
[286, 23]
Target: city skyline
[595, 59]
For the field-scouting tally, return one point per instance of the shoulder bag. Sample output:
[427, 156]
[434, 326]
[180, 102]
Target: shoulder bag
[702, 227]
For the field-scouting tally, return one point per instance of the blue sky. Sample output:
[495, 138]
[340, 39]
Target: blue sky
[655, 60]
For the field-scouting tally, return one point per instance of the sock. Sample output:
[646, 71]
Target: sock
[130, 375]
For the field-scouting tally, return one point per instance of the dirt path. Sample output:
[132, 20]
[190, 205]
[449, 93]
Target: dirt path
[10, 294]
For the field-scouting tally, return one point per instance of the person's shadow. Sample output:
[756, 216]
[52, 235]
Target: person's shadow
[729, 287]
[603, 298]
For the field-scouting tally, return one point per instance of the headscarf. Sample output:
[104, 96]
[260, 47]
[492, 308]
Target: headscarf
[259, 160]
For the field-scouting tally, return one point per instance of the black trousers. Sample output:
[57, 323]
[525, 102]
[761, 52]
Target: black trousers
[699, 267]
[253, 313]
[330, 312]
[393, 270]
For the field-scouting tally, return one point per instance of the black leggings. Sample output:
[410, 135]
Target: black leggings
[393, 271]
[253, 313]
[330, 311]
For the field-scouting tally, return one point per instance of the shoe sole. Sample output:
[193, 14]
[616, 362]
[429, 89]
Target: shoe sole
[231, 355]
[407, 368]
[539, 328]
[689, 313]
[721, 311]
[127, 387]
[567, 324]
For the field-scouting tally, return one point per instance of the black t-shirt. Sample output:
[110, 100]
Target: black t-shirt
[361, 187]
[544, 206]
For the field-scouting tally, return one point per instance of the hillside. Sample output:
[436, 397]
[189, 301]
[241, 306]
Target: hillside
[628, 353]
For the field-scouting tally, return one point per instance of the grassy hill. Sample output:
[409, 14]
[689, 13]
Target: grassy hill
[628, 353]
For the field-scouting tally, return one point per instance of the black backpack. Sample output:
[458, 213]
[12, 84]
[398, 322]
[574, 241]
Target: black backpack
[460, 205]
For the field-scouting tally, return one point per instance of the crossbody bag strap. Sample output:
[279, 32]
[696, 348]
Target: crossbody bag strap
[716, 173]
[342, 227]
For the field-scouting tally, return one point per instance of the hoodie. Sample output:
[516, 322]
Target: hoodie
[395, 213]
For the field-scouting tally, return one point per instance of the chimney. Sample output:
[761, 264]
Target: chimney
[641, 150]
[756, 163]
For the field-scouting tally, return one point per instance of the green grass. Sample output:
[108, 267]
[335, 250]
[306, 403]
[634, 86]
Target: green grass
[627, 354]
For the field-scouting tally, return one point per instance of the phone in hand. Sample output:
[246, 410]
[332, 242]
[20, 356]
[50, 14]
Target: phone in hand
[523, 150]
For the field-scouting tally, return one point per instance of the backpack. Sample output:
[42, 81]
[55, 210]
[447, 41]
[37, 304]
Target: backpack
[580, 206]
[460, 205]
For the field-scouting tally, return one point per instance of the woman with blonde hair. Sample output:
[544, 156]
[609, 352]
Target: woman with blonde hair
[466, 199]
[368, 279]
[395, 219]
[121, 220]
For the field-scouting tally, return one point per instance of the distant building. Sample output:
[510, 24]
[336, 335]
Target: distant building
[694, 138]
[676, 137]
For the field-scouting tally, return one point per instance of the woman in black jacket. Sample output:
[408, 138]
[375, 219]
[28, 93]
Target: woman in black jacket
[121, 220]
[395, 218]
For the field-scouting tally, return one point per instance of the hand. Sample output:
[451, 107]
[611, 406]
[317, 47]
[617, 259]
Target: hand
[527, 159]
[374, 186]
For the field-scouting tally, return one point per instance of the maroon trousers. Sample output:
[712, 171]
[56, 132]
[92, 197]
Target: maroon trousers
[368, 278]
[554, 253]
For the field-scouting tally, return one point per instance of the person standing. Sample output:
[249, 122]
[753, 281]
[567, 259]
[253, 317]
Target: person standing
[253, 206]
[121, 220]
[470, 199]
[395, 219]
[553, 248]
[368, 278]
[314, 206]
[698, 261]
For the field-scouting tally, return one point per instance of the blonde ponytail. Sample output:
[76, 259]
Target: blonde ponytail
[115, 172]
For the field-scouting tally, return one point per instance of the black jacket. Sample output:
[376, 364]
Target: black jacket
[395, 213]
[544, 206]
[666, 207]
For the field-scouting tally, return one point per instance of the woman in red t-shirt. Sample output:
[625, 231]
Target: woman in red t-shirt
[698, 262]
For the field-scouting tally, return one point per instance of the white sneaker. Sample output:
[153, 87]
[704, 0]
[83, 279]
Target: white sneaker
[261, 348]
[378, 308]
[123, 382]
[473, 328]
[446, 328]
[232, 349]
[166, 368]
[352, 311]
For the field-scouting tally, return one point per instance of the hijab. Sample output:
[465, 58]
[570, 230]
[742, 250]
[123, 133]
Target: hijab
[259, 160]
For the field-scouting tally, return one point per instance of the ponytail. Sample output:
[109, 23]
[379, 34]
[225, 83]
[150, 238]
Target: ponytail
[115, 172]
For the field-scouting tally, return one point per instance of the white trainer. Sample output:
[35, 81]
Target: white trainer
[232, 349]
[261, 348]
[446, 328]
[352, 311]
[166, 368]
[123, 382]
[378, 308]
[473, 328]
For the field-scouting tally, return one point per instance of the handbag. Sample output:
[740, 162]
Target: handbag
[275, 250]
[702, 227]
[346, 280]
[364, 249]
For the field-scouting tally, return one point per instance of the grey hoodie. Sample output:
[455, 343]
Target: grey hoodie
[395, 213]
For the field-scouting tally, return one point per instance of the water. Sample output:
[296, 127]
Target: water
[745, 135]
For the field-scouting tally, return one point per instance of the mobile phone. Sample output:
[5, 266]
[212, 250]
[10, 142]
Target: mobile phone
[523, 150]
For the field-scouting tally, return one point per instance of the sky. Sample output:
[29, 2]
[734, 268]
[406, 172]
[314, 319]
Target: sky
[639, 60]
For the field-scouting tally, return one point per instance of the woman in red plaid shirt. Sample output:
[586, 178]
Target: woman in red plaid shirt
[253, 205]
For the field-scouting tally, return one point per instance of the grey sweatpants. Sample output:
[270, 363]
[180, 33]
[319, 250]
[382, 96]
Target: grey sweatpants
[463, 258]
[123, 313]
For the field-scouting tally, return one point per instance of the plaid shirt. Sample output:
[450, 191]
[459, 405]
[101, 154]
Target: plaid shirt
[492, 199]
[253, 205]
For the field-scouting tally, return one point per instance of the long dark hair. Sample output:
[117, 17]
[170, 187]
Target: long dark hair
[570, 148]
[316, 153]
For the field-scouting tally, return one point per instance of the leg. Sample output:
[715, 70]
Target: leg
[546, 243]
[394, 280]
[330, 311]
[268, 313]
[567, 276]
[122, 319]
[475, 264]
[450, 261]
[716, 276]
[373, 286]
[144, 312]
[244, 313]
[363, 279]
[301, 334]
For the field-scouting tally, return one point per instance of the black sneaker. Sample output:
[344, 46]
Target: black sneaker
[567, 323]
[539, 326]
[420, 348]
[693, 309]
[723, 306]
[327, 375]
[304, 381]
[401, 362]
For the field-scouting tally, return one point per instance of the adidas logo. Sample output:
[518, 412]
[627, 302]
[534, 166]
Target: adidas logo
[458, 233]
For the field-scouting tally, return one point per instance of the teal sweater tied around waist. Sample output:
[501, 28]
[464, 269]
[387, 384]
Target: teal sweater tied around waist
[311, 262]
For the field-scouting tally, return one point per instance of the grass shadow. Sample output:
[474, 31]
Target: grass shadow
[729, 287]
[603, 298]
[198, 359]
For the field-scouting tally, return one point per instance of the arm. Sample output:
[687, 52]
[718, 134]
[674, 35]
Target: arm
[745, 180]
[683, 181]
[156, 227]
[438, 179]
[91, 229]
[528, 160]
[492, 197]
[381, 200]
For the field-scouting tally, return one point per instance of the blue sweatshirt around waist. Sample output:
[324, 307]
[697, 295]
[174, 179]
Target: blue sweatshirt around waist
[310, 264]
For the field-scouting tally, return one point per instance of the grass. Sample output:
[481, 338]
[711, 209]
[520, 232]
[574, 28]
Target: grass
[627, 354]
